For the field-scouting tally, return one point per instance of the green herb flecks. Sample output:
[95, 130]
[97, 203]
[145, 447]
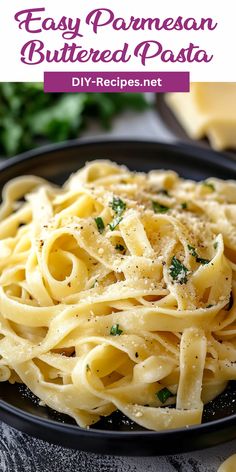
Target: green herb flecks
[210, 185]
[87, 368]
[118, 206]
[100, 224]
[115, 330]
[158, 208]
[178, 271]
[115, 222]
[194, 253]
[215, 245]
[184, 205]
[164, 394]
[119, 247]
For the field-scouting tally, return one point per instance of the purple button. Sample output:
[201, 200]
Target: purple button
[111, 82]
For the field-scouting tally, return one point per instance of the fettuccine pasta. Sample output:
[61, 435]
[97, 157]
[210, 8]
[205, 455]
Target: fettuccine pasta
[117, 291]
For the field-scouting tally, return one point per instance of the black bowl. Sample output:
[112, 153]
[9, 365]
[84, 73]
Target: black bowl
[117, 435]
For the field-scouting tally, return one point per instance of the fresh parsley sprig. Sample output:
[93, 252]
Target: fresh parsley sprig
[118, 206]
[100, 224]
[193, 252]
[158, 208]
[114, 223]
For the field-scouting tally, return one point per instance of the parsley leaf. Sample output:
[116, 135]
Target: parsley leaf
[100, 224]
[192, 251]
[164, 394]
[215, 245]
[115, 331]
[178, 271]
[210, 185]
[202, 260]
[158, 208]
[115, 222]
[184, 205]
[118, 206]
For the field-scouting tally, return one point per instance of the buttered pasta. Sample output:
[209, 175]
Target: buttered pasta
[117, 291]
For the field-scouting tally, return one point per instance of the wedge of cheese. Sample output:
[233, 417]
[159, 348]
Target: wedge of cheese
[209, 109]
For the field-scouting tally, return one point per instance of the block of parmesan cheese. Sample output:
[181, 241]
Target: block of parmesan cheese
[209, 109]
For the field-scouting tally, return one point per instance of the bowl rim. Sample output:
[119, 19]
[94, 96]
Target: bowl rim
[197, 153]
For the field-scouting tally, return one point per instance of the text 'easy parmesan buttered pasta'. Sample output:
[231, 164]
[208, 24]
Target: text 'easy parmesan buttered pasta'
[117, 292]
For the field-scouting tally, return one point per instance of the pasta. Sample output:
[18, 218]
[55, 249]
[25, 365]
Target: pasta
[117, 291]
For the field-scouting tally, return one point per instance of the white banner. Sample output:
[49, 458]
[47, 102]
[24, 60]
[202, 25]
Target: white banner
[110, 35]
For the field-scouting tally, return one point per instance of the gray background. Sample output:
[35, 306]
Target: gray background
[20, 453]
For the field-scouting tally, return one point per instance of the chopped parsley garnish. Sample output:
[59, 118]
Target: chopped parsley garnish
[158, 208]
[56, 117]
[209, 306]
[95, 284]
[115, 222]
[184, 205]
[115, 331]
[178, 271]
[118, 206]
[164, 394]
[215, 245]
[87, 368]
[210, 185]
[100, 224]
[119, 247]
[194, 253]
